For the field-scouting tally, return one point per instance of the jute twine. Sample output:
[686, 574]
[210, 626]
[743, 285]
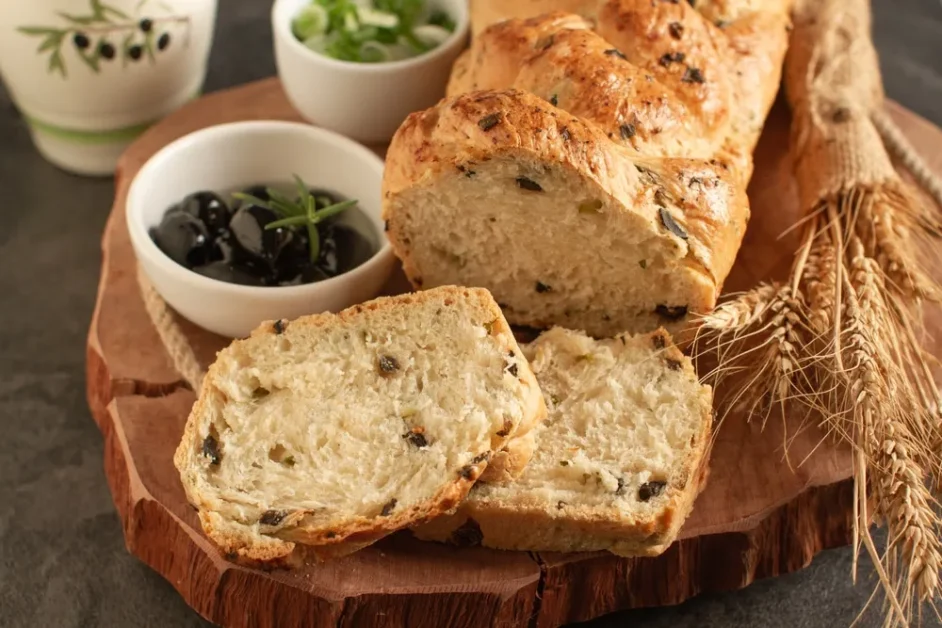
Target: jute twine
[903, 151]
[171, 335]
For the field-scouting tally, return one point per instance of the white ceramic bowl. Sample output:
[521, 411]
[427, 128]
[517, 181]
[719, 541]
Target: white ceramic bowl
[365, 101]
[231, 157]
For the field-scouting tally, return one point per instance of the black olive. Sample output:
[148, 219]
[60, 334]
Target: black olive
[224, 271]
[81, 41]
[211, 450]
[106, 50]
[329, 260]
[489, 122]
[146, 24]
[671, 312]
[163, 41]
[650, 489]
[387, 365]
[210, 208]
[310, 273]
[416, 438]
[272, 517]
[184, 239]
[294, 257]
[692, 75]
[248, 229]
[135, 52]
[468, 535]
[225, 247]
[529, 184]
[314, 273]
[349, 247]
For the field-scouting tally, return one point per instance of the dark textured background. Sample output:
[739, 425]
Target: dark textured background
[62, 556]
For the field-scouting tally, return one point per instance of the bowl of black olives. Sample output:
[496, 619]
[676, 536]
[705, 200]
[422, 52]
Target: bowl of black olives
[253, 221]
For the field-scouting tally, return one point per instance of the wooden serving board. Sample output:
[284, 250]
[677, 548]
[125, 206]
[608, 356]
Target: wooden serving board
[759, 516]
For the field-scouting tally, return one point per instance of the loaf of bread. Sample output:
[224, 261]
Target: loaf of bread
[620, 459]
[336, 430]
[631, 226]
[563, 225]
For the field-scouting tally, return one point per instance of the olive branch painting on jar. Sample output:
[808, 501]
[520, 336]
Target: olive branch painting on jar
[106, 34]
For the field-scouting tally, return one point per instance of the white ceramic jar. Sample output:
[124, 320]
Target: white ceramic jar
[90, 75]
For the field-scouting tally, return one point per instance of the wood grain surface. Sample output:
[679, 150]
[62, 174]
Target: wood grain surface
[762, 514]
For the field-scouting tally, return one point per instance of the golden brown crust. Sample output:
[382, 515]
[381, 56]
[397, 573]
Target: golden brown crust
[557, 58]
[721, 61]
[275, 544]
[567, 527]
[694, 64]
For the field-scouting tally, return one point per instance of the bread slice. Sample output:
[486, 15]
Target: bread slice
[335, 430]
[619, 461]
[502, 190]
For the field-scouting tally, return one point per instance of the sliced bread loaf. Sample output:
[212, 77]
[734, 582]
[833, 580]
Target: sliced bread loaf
[619, 460]
[335, 430]
[500, 189]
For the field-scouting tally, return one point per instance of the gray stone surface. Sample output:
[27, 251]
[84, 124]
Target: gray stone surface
[62, 557]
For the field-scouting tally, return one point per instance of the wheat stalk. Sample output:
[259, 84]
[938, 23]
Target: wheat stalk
[898, 234]
[897, 480]
[820, 281]
[741, 313]
[840, 337]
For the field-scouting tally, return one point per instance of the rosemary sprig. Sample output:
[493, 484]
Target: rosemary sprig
[302, 212]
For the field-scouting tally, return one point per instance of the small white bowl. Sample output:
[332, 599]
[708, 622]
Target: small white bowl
[234, 156]
[365, 101]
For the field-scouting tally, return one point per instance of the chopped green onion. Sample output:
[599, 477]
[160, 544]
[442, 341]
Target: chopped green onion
[374, 52]
[440, 18]
[382, 19]
[371, 31]
[431, 35]
[312, 20]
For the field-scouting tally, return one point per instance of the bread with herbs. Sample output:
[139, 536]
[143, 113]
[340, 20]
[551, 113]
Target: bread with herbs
[589, 168]
[620, 458]
[333, 431]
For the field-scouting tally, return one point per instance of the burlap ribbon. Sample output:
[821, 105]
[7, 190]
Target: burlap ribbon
[840, 132]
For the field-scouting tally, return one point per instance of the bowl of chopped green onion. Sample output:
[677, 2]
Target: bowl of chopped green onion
[359, 67]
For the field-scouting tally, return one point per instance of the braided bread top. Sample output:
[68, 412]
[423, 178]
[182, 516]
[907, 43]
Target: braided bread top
[678, 80]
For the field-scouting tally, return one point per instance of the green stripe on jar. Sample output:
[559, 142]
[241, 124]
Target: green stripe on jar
[79, 136]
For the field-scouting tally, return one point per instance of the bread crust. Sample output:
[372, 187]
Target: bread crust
[521, 525]
[557, 57]
[738, 46]
[275, 544]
